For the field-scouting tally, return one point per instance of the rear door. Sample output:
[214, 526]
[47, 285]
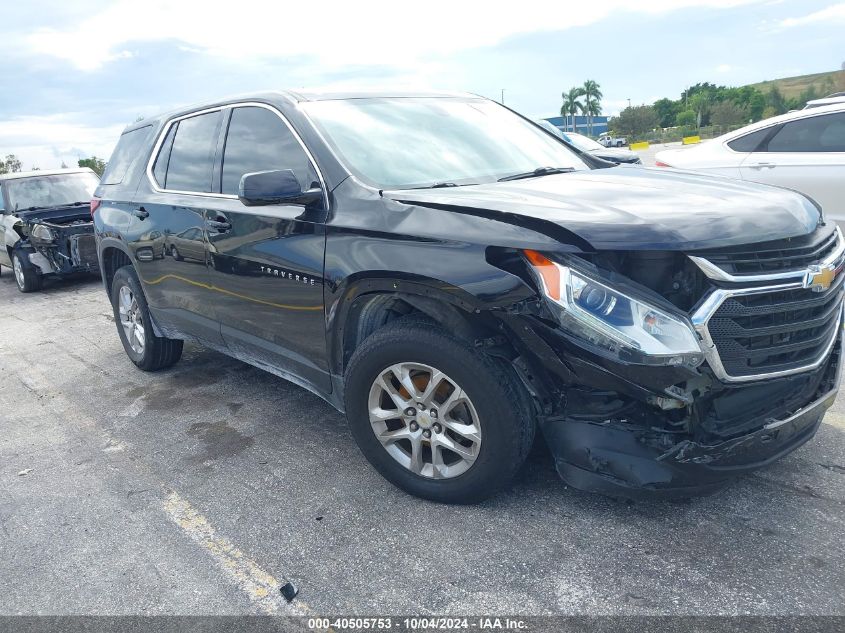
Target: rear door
[807, 155]
[172, 206]
[267, 261]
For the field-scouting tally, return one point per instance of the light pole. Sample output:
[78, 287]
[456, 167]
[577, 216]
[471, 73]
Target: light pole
[502, 100]
[629, 102]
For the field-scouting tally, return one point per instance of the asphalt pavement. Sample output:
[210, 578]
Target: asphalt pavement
[202, 489]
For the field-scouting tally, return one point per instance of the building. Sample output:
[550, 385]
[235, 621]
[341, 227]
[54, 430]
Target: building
[581, 124]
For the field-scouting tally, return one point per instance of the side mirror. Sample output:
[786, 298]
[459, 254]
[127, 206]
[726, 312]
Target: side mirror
[278, 186]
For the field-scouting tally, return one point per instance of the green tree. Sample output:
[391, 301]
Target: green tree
[635, 121]
[687, 118]
[776, 101]
[96, 164]
[592, 102]
[10, 165]
[572, 104]
[666, 110]
[728, 113]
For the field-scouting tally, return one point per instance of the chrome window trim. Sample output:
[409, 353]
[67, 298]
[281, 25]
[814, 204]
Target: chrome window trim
[701, 317]
[714, 272]
[241, 104]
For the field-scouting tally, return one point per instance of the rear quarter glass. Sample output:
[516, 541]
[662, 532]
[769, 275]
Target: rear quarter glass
[126, 154]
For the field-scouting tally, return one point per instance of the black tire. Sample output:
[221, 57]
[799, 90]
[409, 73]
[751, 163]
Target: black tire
[175, 254]
[502, 403]
[29, 279]
[158, 352]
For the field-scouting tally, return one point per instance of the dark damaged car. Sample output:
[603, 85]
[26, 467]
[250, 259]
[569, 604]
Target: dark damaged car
[45, 227]
[453, 278]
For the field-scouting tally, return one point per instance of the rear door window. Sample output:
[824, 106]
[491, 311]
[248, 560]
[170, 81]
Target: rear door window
[129, 147]
[258, 140]
[824, 133]
[191, 162]
[749, 142]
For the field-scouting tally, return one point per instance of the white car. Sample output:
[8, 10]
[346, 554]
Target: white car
[802, 150]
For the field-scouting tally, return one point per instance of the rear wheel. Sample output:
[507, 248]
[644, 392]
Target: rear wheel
[435, 416]
[26, 276]
[134, 325]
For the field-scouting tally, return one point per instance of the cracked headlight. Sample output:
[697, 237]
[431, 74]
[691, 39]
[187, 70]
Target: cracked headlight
[42, 233]
[618, 325]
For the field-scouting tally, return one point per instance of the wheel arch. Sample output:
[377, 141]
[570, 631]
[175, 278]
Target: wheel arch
[113, 256]
[374, 303]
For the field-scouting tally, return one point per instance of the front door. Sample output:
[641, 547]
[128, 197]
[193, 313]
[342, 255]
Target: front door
[6, 223]
[266, 262]
[807, 155]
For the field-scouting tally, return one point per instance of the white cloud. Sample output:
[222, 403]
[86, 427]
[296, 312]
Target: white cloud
[724, 68]
[336, 32]
[47, 141]
[833, 14]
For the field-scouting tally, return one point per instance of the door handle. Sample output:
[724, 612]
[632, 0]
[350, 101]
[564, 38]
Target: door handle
[142, 213]
[763, 166]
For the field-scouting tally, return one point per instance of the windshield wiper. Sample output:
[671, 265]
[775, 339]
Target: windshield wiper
[540, 171]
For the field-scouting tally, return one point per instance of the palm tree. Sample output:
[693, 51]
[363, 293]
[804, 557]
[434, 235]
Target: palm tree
[592, 103]
[571, 104]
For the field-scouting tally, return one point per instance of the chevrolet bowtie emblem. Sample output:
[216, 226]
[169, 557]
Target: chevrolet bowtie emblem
[819, 278]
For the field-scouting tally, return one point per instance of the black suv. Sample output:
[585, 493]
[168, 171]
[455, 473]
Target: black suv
[453, 277]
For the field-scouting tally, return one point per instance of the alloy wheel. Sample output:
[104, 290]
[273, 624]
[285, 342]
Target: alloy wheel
[131, 320]
[424, 420]
[19, 276]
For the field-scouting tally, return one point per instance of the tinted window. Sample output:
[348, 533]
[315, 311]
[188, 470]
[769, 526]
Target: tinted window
[163, 158]
[749, 142]
[812, 134]
[2, 204]
[192, 155]
[125, 154]
[258, 140]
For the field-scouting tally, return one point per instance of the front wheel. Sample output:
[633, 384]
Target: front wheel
[26, 277]
[134, 325]
[434, 415]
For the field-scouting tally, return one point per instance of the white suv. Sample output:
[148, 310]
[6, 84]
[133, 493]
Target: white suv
[802, 150]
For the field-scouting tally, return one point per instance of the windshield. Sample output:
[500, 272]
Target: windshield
[582, 142]
[50, 191]
[401, 143]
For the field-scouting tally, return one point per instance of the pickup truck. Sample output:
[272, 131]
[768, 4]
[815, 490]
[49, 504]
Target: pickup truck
[613, 141]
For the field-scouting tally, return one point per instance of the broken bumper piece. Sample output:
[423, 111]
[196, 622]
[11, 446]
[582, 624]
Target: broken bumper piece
[633, 461]
[626, 461]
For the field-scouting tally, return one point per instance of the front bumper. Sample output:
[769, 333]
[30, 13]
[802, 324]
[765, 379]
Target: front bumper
[639, 456]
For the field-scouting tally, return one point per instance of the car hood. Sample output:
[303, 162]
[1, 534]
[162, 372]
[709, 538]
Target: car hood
[636, 208]
[611, 153]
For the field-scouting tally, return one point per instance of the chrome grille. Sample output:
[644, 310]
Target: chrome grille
[776, 256]
[776, 331]
[784, 324]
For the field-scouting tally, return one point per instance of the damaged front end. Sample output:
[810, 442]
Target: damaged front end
[629, 416]
[59, 242]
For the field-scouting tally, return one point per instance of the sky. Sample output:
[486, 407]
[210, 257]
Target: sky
[76, 72]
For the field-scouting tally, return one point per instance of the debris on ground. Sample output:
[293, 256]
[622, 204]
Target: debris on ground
[289, 591]
[24, 472]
